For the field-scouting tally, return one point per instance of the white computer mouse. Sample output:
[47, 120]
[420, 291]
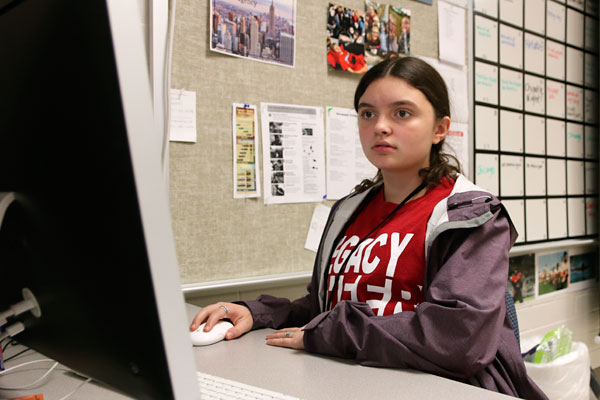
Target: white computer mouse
[216, 334]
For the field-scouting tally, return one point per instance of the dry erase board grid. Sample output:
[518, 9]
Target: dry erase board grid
[535, 113]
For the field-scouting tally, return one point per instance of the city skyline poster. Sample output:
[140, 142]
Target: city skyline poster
[258, 30]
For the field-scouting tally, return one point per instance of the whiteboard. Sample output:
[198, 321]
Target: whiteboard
[511, 89]
[591, 34]
[537, 138]
[486, 83]
[486, 172]
[535, 135]
[557, 218]
[555, 60]
[576, 213]
[555, 21]
[555, 98]
[535, 176]
[590, 70]
[555, 137]
[536, 219]
[511, 175]
[591, 7]
[575, 65]
[575, 28]
[535, 94]
[486, 39]
[535, 54]
[486, 128]
[516, 211]
[533, 10]
[591, 177]
[591, 106]
[512, 11]
[591, 215]
[511, 131]
[579, 4]
[591, 142]
[575, 142]
[574, 103]
[575, 177]
[511, 46]
[557, 177]
[489, 7]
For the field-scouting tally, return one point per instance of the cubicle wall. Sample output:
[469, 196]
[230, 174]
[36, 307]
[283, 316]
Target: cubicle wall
[219, 237]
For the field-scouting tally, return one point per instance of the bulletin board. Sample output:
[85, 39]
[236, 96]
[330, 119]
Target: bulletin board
[219, 237]
[535, 113]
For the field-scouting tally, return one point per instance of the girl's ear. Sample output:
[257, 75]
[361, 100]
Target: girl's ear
[442, 126]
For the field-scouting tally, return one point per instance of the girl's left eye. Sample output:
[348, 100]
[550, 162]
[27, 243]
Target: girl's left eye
[402, 114]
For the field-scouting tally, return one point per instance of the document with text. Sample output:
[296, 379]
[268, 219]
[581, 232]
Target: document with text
[347, 165]
[293, 153]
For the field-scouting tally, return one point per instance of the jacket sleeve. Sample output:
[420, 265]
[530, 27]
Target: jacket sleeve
[454, 333]
[275, 312]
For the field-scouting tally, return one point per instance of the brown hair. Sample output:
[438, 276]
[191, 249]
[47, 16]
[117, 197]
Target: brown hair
[424, 77]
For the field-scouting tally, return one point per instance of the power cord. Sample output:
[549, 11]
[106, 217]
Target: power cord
[76, 389]
[40, 379]
[29, 385]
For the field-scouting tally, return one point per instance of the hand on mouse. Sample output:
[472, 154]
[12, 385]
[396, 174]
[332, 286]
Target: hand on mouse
[288, 337]
[239, 315]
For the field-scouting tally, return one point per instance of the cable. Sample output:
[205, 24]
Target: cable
[34, 382]
[10, 341]
[16, 355]
[76, 389]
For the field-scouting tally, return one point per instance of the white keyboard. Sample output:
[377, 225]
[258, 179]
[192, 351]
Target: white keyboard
[217, 388]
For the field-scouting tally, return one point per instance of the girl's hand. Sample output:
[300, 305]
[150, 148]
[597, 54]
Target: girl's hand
[239, 315]
[288, 337]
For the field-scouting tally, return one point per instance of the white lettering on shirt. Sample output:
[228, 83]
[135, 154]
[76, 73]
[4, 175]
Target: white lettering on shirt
[357, 260]
[356, 257]
[340, 260]
[387, 295]
[337, 249]
[396, 250]
[352, 288]
[369, 267]
[398, 307]
[340, 288]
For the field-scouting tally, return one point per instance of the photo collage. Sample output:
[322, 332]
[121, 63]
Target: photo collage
[357, 40]
[533, 275]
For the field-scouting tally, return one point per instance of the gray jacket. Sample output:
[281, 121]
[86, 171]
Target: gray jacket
[461, 331]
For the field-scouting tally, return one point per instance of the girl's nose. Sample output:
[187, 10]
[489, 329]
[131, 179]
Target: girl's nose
[382, 127]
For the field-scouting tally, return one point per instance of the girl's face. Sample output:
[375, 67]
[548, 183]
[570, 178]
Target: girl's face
[397, 126]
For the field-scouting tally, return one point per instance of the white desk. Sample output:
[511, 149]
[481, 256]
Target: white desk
[313, 377]
[251, 361]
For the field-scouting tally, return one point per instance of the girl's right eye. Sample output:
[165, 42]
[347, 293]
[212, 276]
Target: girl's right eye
[367, 114]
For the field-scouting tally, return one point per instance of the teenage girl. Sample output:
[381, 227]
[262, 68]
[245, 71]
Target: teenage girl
[412, 267]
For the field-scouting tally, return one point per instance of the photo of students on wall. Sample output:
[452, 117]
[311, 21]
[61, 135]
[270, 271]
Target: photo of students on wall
[399, 30]
[376, 17]
[345, 39]
[521, 278]
[553, 272]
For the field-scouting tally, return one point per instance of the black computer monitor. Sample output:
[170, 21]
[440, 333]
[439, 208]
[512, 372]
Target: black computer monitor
[89, 229]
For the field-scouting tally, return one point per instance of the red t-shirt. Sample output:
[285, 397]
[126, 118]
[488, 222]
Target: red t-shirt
[388, 270]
